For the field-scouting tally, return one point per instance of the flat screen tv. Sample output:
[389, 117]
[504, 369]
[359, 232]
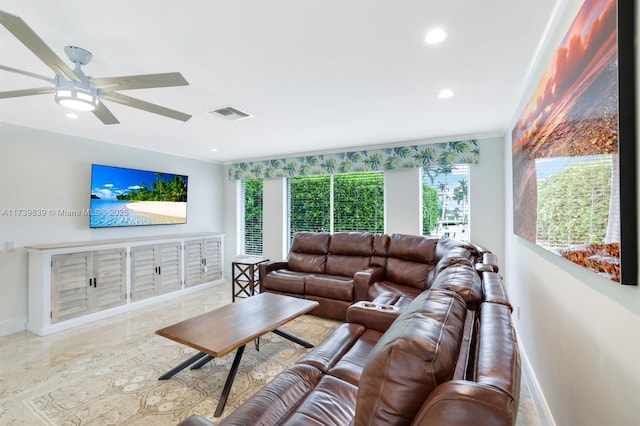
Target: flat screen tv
[131, 197]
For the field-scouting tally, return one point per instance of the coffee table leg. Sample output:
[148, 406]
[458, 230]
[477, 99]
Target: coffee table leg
[230, 378]
[182, 366]
[293, 338]
[202, 362]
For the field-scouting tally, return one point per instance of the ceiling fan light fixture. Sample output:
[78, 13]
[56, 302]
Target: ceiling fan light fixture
[77, 99]
[435, 36]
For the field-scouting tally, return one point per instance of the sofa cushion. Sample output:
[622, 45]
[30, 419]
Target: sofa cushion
[349, 367]
[330, 350]
[413, 248]
[329, 286]
[349, 252]
[285, 281]
[411, 274]
[445, 244]
[309, 263]
[311, 242]
[346, 265]
[273, 403]
[454, 256]
[351, 244]
[411, 260]
[331, 402]
[464, 280]
[309, 252]
[417, 353]
[380, 248]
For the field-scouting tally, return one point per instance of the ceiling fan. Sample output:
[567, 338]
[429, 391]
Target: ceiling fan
[75, 90]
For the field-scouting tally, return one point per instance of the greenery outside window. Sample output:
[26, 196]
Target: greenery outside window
[252, 212]
[332, 203]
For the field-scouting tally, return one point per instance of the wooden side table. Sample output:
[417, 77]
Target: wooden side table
[244, 276]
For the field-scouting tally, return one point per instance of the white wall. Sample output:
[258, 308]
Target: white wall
[486, 194]
[402, 205]
[580, 332]
[44, 170]
[403, 201]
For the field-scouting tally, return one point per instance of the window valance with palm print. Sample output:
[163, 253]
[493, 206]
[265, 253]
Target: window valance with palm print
[404, 157]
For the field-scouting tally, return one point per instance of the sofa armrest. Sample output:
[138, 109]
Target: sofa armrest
[266, 267]
[461, 402]
[363, 279]
[372, 315]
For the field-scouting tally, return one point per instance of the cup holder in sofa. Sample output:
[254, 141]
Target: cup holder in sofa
[371, 305]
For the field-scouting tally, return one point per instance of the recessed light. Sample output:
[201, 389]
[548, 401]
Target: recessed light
[445, 94]
[435, 36]
[214, 149]
[71, 115]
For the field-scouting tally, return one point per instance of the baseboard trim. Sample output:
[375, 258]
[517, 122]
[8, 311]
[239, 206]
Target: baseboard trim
[13, 326]
[539, 401]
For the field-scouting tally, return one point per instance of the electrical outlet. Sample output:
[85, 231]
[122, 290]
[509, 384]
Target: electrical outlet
[518, 311]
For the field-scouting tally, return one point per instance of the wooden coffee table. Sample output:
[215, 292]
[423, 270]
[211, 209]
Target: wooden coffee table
[231, 327]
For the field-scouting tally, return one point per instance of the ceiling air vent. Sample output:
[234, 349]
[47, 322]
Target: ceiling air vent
[229, 113]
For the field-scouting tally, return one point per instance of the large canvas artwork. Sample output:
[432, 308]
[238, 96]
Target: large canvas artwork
[574, 182]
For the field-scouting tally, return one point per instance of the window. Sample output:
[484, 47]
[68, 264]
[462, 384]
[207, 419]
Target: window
[251, 223]
[345, 202]
[358, 202]
[445, 201]
[309, 200]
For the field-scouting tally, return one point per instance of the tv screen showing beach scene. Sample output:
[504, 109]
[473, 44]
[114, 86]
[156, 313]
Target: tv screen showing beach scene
[130, 197]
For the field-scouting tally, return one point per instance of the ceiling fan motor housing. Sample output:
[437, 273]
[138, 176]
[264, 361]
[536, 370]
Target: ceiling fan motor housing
[78, 55]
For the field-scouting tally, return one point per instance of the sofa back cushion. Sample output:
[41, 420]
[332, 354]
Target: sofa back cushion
[464, 280]
[411, 260]
[417, 353]
[445, 244]
[349, 252]
[380, 249]
[309, 252]
[454, 256]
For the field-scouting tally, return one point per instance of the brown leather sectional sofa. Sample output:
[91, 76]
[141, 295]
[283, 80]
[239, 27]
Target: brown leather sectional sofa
[339, 269]
[427, 337]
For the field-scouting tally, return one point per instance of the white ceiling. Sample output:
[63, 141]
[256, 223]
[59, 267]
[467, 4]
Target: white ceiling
[317, 75]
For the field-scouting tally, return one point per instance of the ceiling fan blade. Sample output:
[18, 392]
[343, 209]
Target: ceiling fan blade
[145, 81]
[103, 113]
[29, 38]
[27, 73]
[27, 92]
[145, 106]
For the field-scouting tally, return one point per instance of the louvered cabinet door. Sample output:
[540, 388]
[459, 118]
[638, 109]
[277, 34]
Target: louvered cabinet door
[169, 262]
[143, 272]
[213, 260]
[110, 281]
[193, 263]
[70, 286]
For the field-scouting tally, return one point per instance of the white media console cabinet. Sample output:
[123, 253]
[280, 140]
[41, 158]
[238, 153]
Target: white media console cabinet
[75, 283]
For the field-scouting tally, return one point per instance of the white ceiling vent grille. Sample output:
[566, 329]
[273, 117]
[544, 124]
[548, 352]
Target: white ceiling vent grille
[229, 113]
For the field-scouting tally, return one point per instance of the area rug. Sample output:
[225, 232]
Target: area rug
[121, 386]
